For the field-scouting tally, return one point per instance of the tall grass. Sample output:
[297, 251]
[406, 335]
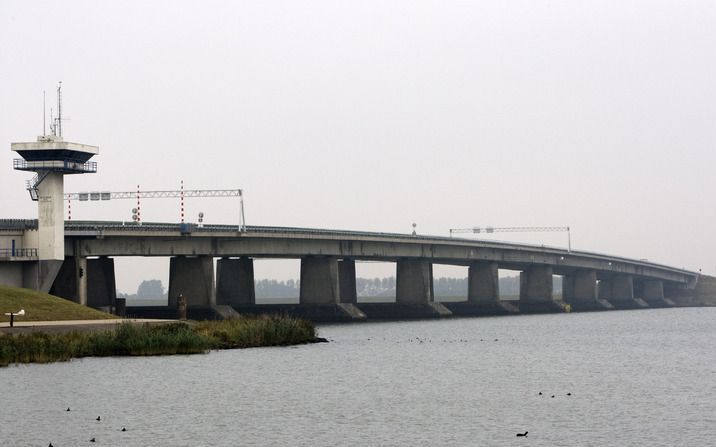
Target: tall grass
[135, 340]
[265, 330]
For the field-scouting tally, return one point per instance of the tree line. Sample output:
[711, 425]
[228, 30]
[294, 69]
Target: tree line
[368, 287]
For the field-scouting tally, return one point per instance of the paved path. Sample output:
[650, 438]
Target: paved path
[72, 325]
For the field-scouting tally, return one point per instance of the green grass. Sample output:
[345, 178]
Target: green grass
[143, 339]
[43, 307]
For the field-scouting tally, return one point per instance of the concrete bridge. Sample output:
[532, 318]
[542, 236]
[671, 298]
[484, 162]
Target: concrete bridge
[591, 281]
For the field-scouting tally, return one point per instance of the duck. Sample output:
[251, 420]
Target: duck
[99, 418]
[521, 435]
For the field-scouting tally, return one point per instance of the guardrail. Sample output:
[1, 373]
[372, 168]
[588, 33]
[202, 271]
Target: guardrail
[99, 226]
[55, 165]
[18, 224]
[18, 252]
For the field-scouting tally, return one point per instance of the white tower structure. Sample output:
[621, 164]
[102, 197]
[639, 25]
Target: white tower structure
[50, 157]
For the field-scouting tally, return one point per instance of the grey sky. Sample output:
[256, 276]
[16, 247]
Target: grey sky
[373, 115]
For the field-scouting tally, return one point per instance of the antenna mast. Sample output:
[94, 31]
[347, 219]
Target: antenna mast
[59, 109]
[44, 115]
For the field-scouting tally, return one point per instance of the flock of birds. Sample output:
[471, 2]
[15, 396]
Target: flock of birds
[524, 435]
[459, 340]
[98, 419]
[462, 340]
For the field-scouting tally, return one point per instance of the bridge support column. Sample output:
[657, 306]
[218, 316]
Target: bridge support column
[319, 280]
[192, 277]
[347, 281]
[235, 282]
[321, 288]
[579, 290]
[414, 290]
[71, 280]
[101, 286]
[483, 292]
[653, 293]
[536, 291]
[483, 285]
[619, 291]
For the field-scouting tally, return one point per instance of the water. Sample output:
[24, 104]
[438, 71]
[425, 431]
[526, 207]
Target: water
[638, 378]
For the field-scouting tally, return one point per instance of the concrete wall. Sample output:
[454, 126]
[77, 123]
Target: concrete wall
[347, 281]
[536, 284]
[414, 282]
[193, 277]
[51, 221]
[319, 280]
[580, 286]
[101, 286]
[483, 285]
[235, 282]
[65, 283]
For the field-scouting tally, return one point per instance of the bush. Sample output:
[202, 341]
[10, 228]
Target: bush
[175, 338]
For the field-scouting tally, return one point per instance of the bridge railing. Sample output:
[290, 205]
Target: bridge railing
[18, 252]
[18, 224]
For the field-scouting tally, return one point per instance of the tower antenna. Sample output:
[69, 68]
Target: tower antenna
[59, 109]
[44, 115]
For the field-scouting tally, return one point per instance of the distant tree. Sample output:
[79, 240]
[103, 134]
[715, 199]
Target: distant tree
[152, 288]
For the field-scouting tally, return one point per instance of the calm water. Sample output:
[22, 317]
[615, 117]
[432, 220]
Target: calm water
[638, 378]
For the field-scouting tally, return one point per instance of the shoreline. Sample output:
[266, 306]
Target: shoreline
[63, 342]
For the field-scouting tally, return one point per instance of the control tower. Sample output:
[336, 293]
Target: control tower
[50, 157]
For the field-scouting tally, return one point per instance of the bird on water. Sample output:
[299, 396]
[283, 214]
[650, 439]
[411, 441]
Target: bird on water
[92, 440]
[68, 408]
[98, 418]
[521, 435]
[124, 429]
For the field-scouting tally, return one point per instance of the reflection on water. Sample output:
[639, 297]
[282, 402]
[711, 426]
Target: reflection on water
[639, 378]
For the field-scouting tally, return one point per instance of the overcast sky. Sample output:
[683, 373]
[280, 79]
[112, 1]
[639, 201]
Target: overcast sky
[372, 115]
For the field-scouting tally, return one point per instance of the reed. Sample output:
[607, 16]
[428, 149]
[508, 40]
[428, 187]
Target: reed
[142, 339]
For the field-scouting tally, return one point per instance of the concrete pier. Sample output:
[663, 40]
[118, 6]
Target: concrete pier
[101, 286]
[192, 277]
[483, 293]
[319, 280]
[235, 282]
[347, 281]
[653, 293]
[71, 280]
[579, 290]
[414, 297]
[65, 284]
[320, 291]
[619, 291]
[536, 291]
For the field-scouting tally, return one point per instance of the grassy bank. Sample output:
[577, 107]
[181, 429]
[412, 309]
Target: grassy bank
[135, 339]
[43, 307]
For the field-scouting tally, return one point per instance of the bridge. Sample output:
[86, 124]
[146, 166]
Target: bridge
[591, 281]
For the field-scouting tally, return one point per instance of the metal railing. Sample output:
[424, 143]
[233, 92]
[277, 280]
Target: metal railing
[18, 252]
[99, 226]
[55, 165]
[18, 224]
